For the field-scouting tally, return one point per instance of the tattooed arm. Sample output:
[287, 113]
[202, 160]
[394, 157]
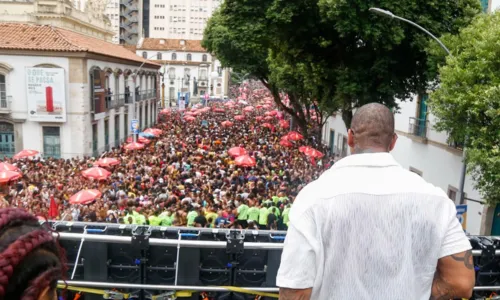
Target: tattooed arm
[454, 278]
[295, 294]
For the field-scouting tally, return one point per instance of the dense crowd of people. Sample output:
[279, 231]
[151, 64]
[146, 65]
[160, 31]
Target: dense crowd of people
[183, 177]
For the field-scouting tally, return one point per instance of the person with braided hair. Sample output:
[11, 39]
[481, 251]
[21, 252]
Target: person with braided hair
[30, 258]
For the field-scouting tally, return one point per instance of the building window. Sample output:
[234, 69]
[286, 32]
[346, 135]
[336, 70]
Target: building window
[171, 73]
[94, 140]
[52, 141]
[416, 171]
[158, 55]
[204, 57]
[174, 56]
[188, 57]
[144, 54]
[452, 193]
[3, 91]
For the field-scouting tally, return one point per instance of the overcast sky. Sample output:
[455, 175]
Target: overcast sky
[495, 4]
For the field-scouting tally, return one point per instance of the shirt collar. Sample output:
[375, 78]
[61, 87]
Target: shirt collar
[377, 160]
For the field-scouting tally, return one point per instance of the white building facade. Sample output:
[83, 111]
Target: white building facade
[430, 154]
[83, 17]
[180, 19]
[91, 104]
[187, 68]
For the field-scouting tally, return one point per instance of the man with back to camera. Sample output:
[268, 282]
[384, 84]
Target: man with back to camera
[369, 229]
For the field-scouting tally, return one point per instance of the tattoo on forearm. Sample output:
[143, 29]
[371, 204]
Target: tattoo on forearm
[295, 294]
[441, 290]
[466, 258]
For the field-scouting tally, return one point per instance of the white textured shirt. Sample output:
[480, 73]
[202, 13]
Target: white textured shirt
[369, 229]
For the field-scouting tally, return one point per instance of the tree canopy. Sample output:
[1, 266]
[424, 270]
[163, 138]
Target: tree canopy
[332, 52]
[467, 102]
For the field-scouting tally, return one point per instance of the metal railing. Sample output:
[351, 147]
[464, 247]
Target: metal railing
[146, 94]
[418, 127]
[5, 104]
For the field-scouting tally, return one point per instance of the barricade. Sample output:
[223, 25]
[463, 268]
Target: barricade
[148, 262]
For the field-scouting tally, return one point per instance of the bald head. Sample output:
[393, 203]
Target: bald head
[372, 129]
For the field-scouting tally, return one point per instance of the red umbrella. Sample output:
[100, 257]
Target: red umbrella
[237, 151]
[133, 146]
[258, 106]
[270, 126]
[269, 118]
[239, 117]
[106, 162]
[140, 139]
[227, 123]
[295, 136]
[303, 149]
[6, 176]
[165, 111]
[286, 143]
[219, 110]
[268, 113]
[189, 119]
[96, 173]
[245, 161]
[84, 197]
[313, 153]
[154, 131]
[249, 108]
[259, 118]
[8, 167]
[25, 153]
[284, 124]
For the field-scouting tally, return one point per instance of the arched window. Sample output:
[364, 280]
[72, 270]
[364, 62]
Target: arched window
[144, 54]
[158, 56]
[188, 57]
[174, 56]
[204, 57]
[171, 73]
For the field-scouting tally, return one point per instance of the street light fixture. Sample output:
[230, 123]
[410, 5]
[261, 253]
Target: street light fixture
[388, 14]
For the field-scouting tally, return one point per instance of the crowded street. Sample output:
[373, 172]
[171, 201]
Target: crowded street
[224, 165]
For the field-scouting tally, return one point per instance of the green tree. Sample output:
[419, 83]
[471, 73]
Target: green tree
[333, 52]
[366, 58]
[239, 37]
[467, 102]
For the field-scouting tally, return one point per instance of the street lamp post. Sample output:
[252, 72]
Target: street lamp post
[388, 14]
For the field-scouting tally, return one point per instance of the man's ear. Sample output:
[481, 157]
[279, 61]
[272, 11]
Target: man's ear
[350, 138]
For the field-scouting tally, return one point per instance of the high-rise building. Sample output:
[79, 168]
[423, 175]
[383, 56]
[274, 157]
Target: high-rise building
[130, 21]
[178, 19]
[113, 13]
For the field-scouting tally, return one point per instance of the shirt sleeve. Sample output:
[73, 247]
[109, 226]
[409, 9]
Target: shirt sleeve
[300, 253]
[455, 240]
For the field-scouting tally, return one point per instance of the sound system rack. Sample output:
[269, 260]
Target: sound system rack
[147, 261]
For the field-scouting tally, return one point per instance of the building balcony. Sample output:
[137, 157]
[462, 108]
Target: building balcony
[115, 101]
[145, 95]
[418, 128]
[5, 105]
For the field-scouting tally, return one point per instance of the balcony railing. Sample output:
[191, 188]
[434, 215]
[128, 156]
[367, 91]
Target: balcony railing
[5, 105]
[145, 95]
[115, 101]
[418, 127]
